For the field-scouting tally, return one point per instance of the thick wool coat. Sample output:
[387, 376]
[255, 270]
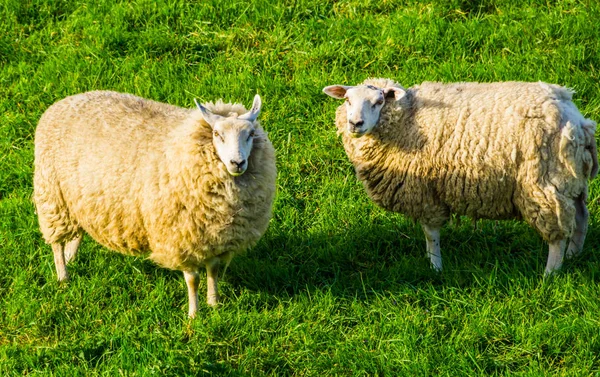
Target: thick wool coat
[496, 151]
[143, 177]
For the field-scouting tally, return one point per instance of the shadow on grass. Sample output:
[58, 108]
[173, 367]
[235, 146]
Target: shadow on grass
[360, 263]
[363, 262]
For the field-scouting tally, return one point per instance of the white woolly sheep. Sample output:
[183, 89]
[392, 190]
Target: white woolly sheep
[189, 188]
[495, 151]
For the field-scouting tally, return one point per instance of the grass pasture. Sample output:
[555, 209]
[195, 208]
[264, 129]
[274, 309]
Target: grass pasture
[337, 286]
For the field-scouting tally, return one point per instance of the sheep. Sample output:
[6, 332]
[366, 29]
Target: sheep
[186, 187]
[509, 150]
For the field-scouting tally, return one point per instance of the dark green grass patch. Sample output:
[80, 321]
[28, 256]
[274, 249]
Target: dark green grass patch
[337, 286]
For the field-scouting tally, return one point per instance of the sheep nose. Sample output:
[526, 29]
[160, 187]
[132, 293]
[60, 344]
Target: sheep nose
[357, 124]
[239, 164]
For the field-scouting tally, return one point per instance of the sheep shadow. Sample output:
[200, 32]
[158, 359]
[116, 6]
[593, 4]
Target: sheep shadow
[360, 263]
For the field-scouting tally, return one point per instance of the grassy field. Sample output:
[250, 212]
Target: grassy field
[337, 286]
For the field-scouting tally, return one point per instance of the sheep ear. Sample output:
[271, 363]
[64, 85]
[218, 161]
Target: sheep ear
[393, 91]
[336, 91]
[209, 116]
[254, 111]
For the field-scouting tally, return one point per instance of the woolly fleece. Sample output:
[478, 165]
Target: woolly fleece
[495, 151]
[143, 177]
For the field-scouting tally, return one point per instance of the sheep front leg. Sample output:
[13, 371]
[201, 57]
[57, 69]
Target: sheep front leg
[555, 256]
[71, 248]
[432, 237]
[192, 279]
[582, 216]
[212, 291]
[59, 261]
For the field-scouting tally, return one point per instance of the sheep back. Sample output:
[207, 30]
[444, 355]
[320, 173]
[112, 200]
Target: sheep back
[495, 151]
[143, 177]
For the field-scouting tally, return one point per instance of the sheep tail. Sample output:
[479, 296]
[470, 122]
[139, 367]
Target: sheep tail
[578, 151]
[590, 131]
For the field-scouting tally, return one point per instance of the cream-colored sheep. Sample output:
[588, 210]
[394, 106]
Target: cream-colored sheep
[495, 151]
[143, 177]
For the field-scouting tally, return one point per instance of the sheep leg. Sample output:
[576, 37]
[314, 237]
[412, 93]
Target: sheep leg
[581, 225]
[555, 256]
[192, 279]
[59, 261]
[432, 238]
[71, 248]
[212, 291]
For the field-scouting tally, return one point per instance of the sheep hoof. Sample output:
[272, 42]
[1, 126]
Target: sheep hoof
[62, 277]
[437, 269]
[550, 273]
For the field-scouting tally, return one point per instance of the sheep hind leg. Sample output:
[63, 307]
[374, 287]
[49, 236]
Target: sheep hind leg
[192, 280]
[212, 291]
[59, 261]
[556, 252]
[581, 225]
[432, 238]
[71, 248]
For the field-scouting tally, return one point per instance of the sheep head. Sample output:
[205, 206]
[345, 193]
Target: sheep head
[233, 136]
[363, 104]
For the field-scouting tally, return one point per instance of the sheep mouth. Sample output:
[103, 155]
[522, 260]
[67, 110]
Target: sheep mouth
[356, 132]
[235, 171]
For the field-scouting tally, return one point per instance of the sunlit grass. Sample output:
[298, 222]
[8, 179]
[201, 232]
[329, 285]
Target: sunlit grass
[337, 286]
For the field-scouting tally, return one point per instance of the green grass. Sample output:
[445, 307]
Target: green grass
[337, 286]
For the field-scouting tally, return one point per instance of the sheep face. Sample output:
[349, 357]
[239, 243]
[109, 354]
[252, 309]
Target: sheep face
[363, 104]
[233, 141]
[233, 136]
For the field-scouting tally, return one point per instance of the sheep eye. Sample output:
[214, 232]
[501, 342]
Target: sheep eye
[217, 134]
[251, 135]
[347, 100]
